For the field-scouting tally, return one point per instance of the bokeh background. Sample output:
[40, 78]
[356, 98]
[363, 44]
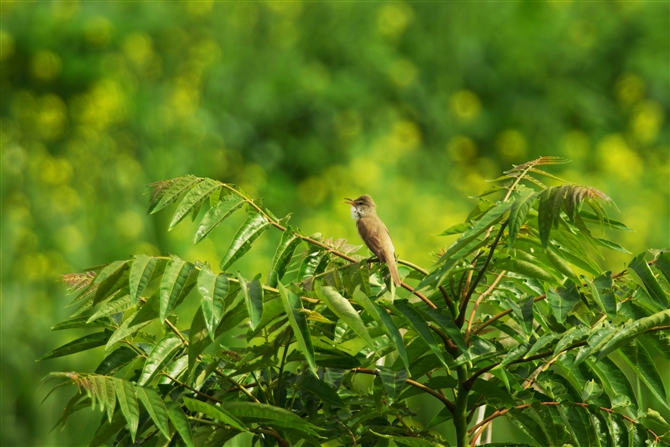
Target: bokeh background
[303, 104]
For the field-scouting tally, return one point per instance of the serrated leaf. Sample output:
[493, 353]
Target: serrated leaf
[310, 265]
[556, 259]
[140, 274]
[155, 406]
[81, 344]
[523, 202]
[251, 229]
[543, 342]
[420, 326]
[217, 412]
[125, 394]
[346, 312]
[114, 306]
[562, 300]
[171, 191]
[571, 336]
[322, 390]
[529, 426]
[174, 279]
[296, 318]
[217, 214]
[591, 390]
[199, 338]
[633, 329]
[447, 324]
[213, 289]
[575, 424]
[282, 258]
[193, 199]
[162, 353]
[645, 368]
[595, 342]
[180, 422]
[384, 319]
[253, 298]
[527, 269]
[645, 277]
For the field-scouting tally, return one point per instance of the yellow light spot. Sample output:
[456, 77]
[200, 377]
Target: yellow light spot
[393, 19]
[465, 105]
[129, 224]
[618, 159]
[577, 144]
[287, 9]
[255, 175]
[51, 117]
[55, 171]
[146, 248]
[98, 30]
[403, 72]
[65, 199]
[646, 121]
[629, 89]
[511, 145]
[405, 136]
[461, 149]
[69, 238]
[6, 45]
[205, 53]
[583, 33]
[284, 34]
[199, 7]
[312, 191]
[348, 124]
[365, 172]
[138, 48]
[45, 65]
[34, 267]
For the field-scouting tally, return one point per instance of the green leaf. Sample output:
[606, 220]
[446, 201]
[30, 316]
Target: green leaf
[180, 422]
[381, 316]
[140, 274]
[125, 394]
[81, 344]
[313, 264]
[574, 423]
[176, 274]
[217, 412]
[293, 306]
[169, 191]
[114, 306]
[162, 353]
[107, 429]
[116, 360]
[108, 280]
[455, 229]
[645, 368]
[562, 300]
[213, 289]
[268, 415]
[155, 406]
[602, 291]
[587, 215]
[346, 312]
[322, 390]
[193, 199]
[571, 336]
[253, 298]
[595, 342]
[282, 258]
[645, 277]
[543, 342]
[420, 326]
[80, 322]
[527, 269]
[493, 216]
[544, 416]
[393, 381]
[529, 426]
[446, 323]
[591, 390]
[545, 215]
[610, 245]
[663, 264]
[199, 338]
[514, 354]
[106, 394]
[523, 202]
[250, 230]
[410, 441]
[226, 206]
[612, 377]
[632, 330]
[560, 264]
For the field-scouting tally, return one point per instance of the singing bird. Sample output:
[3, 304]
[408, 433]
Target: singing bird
[374, 233]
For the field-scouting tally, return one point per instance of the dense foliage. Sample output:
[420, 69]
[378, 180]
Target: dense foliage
[503, 322]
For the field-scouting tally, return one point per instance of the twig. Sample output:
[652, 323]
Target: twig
[479, 300]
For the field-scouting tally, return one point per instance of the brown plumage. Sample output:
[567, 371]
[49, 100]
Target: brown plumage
[374, 233]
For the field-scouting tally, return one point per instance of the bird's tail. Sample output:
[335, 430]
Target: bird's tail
[393, 269]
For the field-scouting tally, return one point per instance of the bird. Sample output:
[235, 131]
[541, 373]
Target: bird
[374, 233]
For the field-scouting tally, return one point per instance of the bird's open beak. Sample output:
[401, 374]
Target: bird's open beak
[349, 201]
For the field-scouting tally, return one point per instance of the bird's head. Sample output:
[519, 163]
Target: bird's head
[362, 206]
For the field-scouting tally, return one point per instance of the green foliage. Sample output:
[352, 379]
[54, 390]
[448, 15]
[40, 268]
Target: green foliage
[504, 319]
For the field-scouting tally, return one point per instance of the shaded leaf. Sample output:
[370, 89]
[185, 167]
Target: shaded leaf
[633, 329]
[296, 318]
[523, 202]
[253, 298]
[193, 199]
[155, 406]
[562, 300]
[346, 312]
[180, 422]
[174, 279]
[646, 369]
[217, 214]
[140, 274]
[282, 257]
[81, 344]
[393, 381]
[213, 289]
[420, 326]
[322, 390]
[125, 394]
[116, 360]
[162, 353]
[646, 278]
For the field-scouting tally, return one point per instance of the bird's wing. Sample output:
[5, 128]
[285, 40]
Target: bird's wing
[370, 234]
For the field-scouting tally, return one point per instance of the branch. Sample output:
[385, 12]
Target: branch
[449, 404]
[479, 300]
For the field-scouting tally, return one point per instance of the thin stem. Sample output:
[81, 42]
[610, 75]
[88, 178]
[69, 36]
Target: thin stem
[461, 410]
[449, 404]
[200, 393]
[281, 368]
[479, 300]
[480, 275]
[502, 314]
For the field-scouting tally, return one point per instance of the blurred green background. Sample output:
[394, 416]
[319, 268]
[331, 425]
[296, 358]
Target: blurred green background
[303, 104]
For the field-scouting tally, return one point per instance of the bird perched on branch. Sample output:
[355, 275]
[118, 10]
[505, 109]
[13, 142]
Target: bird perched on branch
[374, 233]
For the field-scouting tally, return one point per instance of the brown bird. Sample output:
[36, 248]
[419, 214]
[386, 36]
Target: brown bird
[374, 233]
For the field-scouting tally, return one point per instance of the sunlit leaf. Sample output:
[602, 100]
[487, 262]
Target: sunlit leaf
[125, 394]
[523, 202]
[393, 381]
[174, 279]
[346, 312]
[282, 257]
[180, 422]
[140, 273]
[162, 353]
[217, 214]
[562, 300]
[645, 277]
[420, 326]
[193, 199]
[251, 229]
[296, 318]
[253, 298]
[169, 191]
[155, 406]
[322, 390]
[633, 329]
[213, 289]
